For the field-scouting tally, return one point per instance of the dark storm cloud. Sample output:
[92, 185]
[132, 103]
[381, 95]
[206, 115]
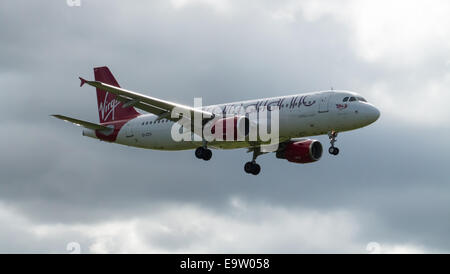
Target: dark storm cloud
[391, 173]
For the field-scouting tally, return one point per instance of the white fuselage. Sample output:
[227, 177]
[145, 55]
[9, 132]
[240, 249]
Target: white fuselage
[301, 115]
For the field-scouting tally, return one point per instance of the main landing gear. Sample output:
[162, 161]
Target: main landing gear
[203, 153]
[333, 150]
[252, 167]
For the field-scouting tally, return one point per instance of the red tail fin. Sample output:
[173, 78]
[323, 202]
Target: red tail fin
[110, 109]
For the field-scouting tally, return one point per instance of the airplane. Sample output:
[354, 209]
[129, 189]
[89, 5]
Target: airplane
[302, 115]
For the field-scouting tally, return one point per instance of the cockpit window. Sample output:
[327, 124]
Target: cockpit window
[352, 99]
[345, 99]
[361, 99]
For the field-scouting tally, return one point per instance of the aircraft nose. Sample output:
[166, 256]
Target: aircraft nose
[372, 113]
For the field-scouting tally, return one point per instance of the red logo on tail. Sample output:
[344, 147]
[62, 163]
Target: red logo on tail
[107, 109]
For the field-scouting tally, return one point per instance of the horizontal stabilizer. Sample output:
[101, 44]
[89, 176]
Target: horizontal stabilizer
[83, 81]
[81, 123]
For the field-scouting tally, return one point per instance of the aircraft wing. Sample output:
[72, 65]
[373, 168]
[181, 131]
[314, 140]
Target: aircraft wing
[149, 104]
[81, 123]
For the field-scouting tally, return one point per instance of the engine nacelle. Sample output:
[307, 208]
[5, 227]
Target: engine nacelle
[89, 133]
[231, 128]
[301, 152]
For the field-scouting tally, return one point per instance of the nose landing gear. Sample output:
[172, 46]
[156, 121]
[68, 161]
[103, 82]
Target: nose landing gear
[333, 150]
[332, 136]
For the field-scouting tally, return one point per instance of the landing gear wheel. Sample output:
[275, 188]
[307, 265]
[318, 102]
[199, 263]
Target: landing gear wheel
[203, 153]
[333, 150]
[252, 168]
[336, 151]
[207, 154]
[248, 167]
[256, 169]
[199, 152]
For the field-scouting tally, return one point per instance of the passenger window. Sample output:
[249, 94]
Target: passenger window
[352, 99]
[345, 99]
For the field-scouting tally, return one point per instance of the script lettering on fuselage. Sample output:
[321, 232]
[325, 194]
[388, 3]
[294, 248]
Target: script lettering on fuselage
[296, 101]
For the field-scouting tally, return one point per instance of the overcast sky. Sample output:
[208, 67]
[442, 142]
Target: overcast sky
[389, 184]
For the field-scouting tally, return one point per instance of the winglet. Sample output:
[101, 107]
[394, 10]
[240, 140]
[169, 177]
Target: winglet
[83, 81]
